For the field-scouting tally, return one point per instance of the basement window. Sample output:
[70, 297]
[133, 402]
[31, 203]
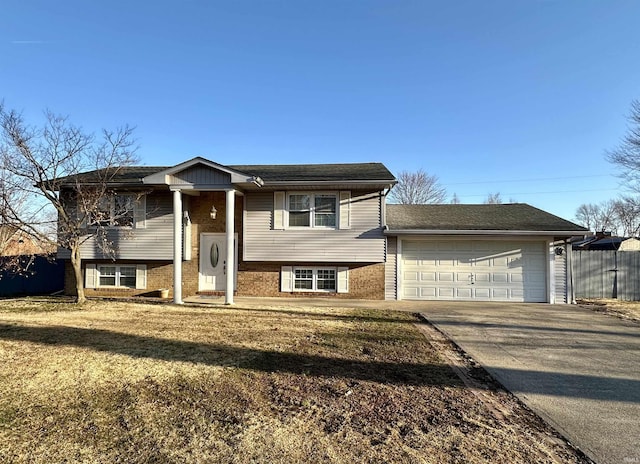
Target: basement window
[117, 276]
[314, 280]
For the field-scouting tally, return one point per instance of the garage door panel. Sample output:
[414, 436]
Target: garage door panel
[500, 293]
[483, 293]
[464, 293]
[445, 276]
[428, 277]
[474, 270]
[428, 292]
[445, 292]
[500, 277]
[410, 276]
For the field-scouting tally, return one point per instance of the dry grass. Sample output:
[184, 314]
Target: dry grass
[629, 310]
[135, 383]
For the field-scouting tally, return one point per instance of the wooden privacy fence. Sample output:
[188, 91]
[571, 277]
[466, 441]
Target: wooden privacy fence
[606, 274]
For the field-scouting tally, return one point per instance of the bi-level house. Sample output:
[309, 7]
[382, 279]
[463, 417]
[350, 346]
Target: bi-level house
[317, 230]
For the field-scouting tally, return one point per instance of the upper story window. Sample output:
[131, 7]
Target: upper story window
[312, 209]
[115, 211]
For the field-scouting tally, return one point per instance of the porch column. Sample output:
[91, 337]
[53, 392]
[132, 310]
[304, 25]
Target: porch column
[177, 247]
[230, 260]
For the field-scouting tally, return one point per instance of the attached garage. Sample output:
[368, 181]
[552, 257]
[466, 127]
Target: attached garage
[482, 270]
[504, 252]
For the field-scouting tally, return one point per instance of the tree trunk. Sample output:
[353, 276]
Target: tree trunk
[76, 263]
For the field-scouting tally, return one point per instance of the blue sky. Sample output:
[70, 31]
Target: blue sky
[516, 97]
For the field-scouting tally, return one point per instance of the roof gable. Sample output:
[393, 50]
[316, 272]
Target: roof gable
[199, 171]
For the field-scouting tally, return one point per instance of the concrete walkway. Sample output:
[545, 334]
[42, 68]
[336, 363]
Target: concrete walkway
[578, 370]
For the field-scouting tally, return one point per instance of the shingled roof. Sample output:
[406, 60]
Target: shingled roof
[318, 172]
[344, 172]
[495, 217]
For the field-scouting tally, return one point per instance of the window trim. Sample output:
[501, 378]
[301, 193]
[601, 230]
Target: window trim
[312, 209]
[314, 279]
[138, 212]
[117, 275]
[91, 279]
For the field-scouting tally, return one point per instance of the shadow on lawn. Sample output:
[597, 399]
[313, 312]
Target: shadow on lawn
[232, 356]
[322, 316]
[543, 382]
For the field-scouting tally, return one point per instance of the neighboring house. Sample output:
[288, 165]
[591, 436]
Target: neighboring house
[605, 241]
[316, 230]
[16, 242]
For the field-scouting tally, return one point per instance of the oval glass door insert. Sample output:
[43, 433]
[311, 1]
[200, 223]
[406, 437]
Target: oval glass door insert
[214, 255]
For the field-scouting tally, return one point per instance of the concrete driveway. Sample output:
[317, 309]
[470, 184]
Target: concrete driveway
[578, 370]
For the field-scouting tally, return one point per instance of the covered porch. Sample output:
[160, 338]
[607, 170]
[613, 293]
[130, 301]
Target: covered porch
[205, 225]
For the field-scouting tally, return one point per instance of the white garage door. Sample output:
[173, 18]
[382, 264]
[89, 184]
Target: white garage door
[474, 270]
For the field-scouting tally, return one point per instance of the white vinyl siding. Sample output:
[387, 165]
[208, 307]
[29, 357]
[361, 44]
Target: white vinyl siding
[390, 270]
[154, 241]
[560, 265]
[363, 241]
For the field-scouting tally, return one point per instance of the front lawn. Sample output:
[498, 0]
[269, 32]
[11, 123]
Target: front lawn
[136, 383]
[629, 310]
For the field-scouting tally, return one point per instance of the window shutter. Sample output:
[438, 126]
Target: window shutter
[345, 210]
[278, 210]
[140, 212]
[286, 279]
[343, 280]
[90, 276]
[141, 276]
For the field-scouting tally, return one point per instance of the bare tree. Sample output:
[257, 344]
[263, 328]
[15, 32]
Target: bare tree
[627, 155]
[598, 217]
[417, 188]
[627, 214]
[41, 164]
[493, 199]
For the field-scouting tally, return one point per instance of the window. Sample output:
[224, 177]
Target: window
[312, 210]
[117, 276]
[115, 210]
[314, 280]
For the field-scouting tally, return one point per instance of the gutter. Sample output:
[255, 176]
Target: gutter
[333, 182]
[433, 232]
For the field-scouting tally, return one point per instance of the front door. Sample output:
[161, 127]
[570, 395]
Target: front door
[213, 255]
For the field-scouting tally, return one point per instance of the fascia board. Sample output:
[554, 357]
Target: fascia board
[554, 233]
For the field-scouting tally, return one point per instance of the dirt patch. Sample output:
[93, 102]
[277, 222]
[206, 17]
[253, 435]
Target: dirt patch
[628, 310]
[125, 382]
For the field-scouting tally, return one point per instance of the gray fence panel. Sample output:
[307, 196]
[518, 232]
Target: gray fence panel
[606, 274]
